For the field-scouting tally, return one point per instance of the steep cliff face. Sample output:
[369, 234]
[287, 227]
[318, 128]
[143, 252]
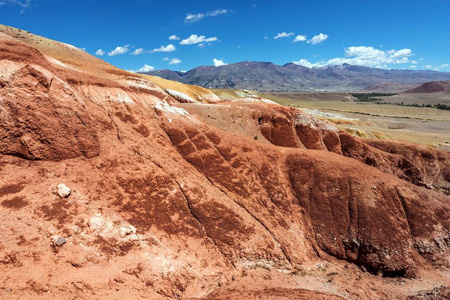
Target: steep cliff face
[174, 199]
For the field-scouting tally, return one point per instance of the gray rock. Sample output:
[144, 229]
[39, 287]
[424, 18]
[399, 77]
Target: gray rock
[60, 241]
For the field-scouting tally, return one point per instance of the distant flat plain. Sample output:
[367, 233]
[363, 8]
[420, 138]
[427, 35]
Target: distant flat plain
[421, 125]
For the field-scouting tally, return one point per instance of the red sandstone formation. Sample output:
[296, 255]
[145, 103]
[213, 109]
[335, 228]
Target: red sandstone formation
[231, 200]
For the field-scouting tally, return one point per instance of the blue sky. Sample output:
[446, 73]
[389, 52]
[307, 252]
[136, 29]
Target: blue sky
[134, 34]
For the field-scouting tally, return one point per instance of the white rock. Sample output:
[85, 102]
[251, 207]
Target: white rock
[63, 190]
[96, 222]
[134, 237]
[124, 231]
[164, 106]
[180, 96]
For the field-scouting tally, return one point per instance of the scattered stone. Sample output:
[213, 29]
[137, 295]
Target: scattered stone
[63, 190]
[60, 241]
[96, 222]
[126, 230]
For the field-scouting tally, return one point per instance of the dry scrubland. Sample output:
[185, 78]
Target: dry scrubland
[427, 126]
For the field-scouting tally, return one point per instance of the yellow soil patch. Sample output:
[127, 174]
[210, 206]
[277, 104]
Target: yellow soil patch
[195, 92]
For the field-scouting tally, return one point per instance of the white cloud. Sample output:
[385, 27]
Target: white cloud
[145, 68]
[413, 67]
[414, 62]
[195, 39]
[305, 63]
[218, 62]
[443, 66]
[174, 37]
[166, 59]
[119, 50]
[427, 67]
[283, 35]
[364, 56]
[201, 45]
[192, 18]
[138, 51]
[399, 53]
[317, 39]
[24, 4]
[217, 12]
[21, 3]
[174, 61]
[168, 48]
[300, 38]
[266, 37]
[100, 52]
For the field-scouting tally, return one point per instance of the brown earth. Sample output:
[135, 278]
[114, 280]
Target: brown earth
[431, 87]
[231, 200]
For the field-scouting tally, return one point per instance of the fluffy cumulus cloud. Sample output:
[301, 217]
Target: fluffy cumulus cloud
[427, 67]
[283, 35]
[317, 39]
[174, 61]
[168, 48]
[100, 52]
[173, 37]
[364, 56]
[192, 18]
[195, 39]
[138, 51]
[145, 68]
[218, 62]
[119, 50]
[306, 63]
[300, 38]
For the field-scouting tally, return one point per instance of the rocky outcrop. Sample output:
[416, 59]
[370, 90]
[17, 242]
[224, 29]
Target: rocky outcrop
[356, 212]
[420, 165]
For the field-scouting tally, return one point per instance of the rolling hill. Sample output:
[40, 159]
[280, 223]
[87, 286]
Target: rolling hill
[432, 87]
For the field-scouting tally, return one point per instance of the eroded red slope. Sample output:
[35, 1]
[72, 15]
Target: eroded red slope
[168, 203]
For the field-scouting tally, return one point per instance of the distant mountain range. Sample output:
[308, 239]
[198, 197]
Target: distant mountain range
[266, 76]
